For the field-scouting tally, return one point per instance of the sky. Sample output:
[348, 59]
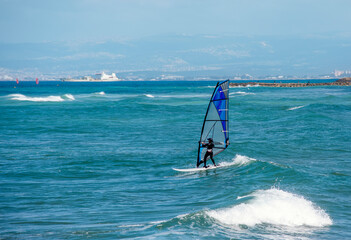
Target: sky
[101, 20]
[142, 23]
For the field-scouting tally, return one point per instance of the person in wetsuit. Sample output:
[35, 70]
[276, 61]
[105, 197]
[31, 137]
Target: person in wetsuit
[209, 152]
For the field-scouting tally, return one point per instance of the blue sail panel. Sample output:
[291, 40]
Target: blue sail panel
[215, 124]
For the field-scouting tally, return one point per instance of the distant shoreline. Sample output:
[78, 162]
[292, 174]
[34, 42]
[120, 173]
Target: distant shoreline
[340, 82]
[233, 82]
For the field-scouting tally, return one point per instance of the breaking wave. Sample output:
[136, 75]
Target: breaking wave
[238, 160]
[69, 97]
[21, 97]
[275, 207]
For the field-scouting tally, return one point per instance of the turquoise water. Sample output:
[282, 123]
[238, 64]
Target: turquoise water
[94, 161]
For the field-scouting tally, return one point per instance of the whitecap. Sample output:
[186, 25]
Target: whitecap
[21, 97]
[149, 95]
[100, 93]
[238, 160]
[242, 160]
[244, 86]
[294, 108]
[275, 207]
[241, 93]
[69, 97]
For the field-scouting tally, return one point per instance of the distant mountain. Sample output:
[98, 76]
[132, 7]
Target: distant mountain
[183, 55]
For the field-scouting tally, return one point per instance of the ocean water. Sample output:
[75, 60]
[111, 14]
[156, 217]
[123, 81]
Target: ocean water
[94, 161]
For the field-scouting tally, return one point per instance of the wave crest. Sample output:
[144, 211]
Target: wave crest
[149, 95]
[242, 160]
[275, 207]
[69, 97]
[238, 160]
[21, 97]
[294, 108]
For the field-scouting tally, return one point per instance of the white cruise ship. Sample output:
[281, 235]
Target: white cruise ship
[103, 78]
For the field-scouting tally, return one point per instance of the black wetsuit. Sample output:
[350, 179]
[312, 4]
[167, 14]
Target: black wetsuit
[209, 152]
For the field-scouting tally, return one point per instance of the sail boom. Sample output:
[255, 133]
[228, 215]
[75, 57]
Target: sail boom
[209, 120]
[219, 99]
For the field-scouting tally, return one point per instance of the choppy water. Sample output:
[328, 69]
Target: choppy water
[94, 161]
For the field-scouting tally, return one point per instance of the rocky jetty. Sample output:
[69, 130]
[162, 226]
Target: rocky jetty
[344, 80]
[340, 82]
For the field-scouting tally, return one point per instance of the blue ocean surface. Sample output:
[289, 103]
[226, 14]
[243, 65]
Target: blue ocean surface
[95, 161]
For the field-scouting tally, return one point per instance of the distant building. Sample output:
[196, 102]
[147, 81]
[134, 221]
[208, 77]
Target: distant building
[342, 73]
[338, 73]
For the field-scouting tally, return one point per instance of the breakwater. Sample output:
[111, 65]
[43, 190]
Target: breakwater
[340, 82]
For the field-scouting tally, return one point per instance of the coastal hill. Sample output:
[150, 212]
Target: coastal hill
[340, 82]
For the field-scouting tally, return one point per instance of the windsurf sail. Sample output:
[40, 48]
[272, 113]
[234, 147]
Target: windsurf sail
[216, 124]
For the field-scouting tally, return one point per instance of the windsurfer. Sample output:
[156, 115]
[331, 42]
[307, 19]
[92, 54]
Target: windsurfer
[209, 152]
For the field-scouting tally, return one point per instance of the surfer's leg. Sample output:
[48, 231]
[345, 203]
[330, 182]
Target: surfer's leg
[205, 159]
[211, 156]
[200, 162]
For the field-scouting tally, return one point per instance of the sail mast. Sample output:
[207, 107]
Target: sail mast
[215, 123]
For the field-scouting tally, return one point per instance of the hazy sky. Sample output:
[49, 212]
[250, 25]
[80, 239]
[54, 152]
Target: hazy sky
[101, 20]
[187, 37]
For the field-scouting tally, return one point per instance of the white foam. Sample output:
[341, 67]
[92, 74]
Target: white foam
[244, 86]
[21, 97]
[239, 160]
[241, 93]
[69, 97]
[149, 95]
[275, 207]
[100, 93]
[294, 108]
